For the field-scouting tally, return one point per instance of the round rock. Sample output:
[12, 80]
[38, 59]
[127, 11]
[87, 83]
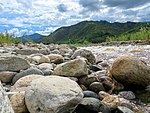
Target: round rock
[130, 71]
[53, 94]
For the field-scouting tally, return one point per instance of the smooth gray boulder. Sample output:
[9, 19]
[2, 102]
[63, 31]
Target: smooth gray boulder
[5, 106]
[53, 94]
[13, 63]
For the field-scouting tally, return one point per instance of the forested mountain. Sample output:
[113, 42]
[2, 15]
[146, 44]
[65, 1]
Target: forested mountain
[90, 31]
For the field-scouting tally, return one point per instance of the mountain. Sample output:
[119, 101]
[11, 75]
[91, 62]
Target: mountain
[89, 31]
[31, 38]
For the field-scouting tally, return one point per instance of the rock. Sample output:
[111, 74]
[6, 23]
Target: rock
[86, 54]
[65, 51]
[44, 51]
[56, 51]
[26, 51]
[5, 106]
[129, 95]
[90, 94]
[87, 80]
[13, 63]
[26, 73]
[96, 87]
[55, 58]
[148, 88]
[90, 103]
[18, 103]
[44, 59]
[130, 71]
[122, 109]
[95, 68]
[45, 66]
[102, 95]
[73, 68]
[113, 101]
[23, 82]
[7, 76]
[36, 58]
[53, 94]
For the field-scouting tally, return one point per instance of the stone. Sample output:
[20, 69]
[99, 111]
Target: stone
[89, 94]
[113, 101]
[86, 54]
[44, 59]
[129, 95]
[36, 58]
[73, 68]
[55, 58]
[13, 63]
[18, 103]
[44, 51]
[90, 103]
[102, 95]
[26, 73]
[7, 76]
[26, 51]
[45, 66]
[123, 109]
[65, 51]
[5, 105]
[130, 71]
[24, 82]
[96, 87]
[95, 68]
[53, 94]
[87, 80]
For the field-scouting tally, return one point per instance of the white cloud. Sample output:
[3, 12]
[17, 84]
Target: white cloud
[42, 15]
[14, 31]
[47, 31]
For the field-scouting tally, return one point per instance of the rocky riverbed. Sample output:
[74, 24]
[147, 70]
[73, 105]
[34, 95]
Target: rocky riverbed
[52, 78]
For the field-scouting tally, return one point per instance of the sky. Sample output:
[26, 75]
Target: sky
[22, 17]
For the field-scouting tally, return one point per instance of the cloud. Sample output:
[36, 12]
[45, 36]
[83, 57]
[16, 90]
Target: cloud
[91, 5]
[125, 3]
[44, 16]
[14, 31]
[62, 8]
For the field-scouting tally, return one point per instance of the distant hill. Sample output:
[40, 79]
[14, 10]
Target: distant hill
[89, 31]
[34, 37]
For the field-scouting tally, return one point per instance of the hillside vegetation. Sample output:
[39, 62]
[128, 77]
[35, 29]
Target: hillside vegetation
[141, 32]
[90, 32]
[8, 38]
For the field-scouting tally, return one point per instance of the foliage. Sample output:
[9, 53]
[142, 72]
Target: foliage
[89, 31]
[8, 38]
[139, 33]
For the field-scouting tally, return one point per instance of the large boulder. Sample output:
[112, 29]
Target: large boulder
[13, 63]
[27, 72]
[86, 54]
[53, 94]
[131, 71]
[5, 106]
[24, 82]
[73, 68]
